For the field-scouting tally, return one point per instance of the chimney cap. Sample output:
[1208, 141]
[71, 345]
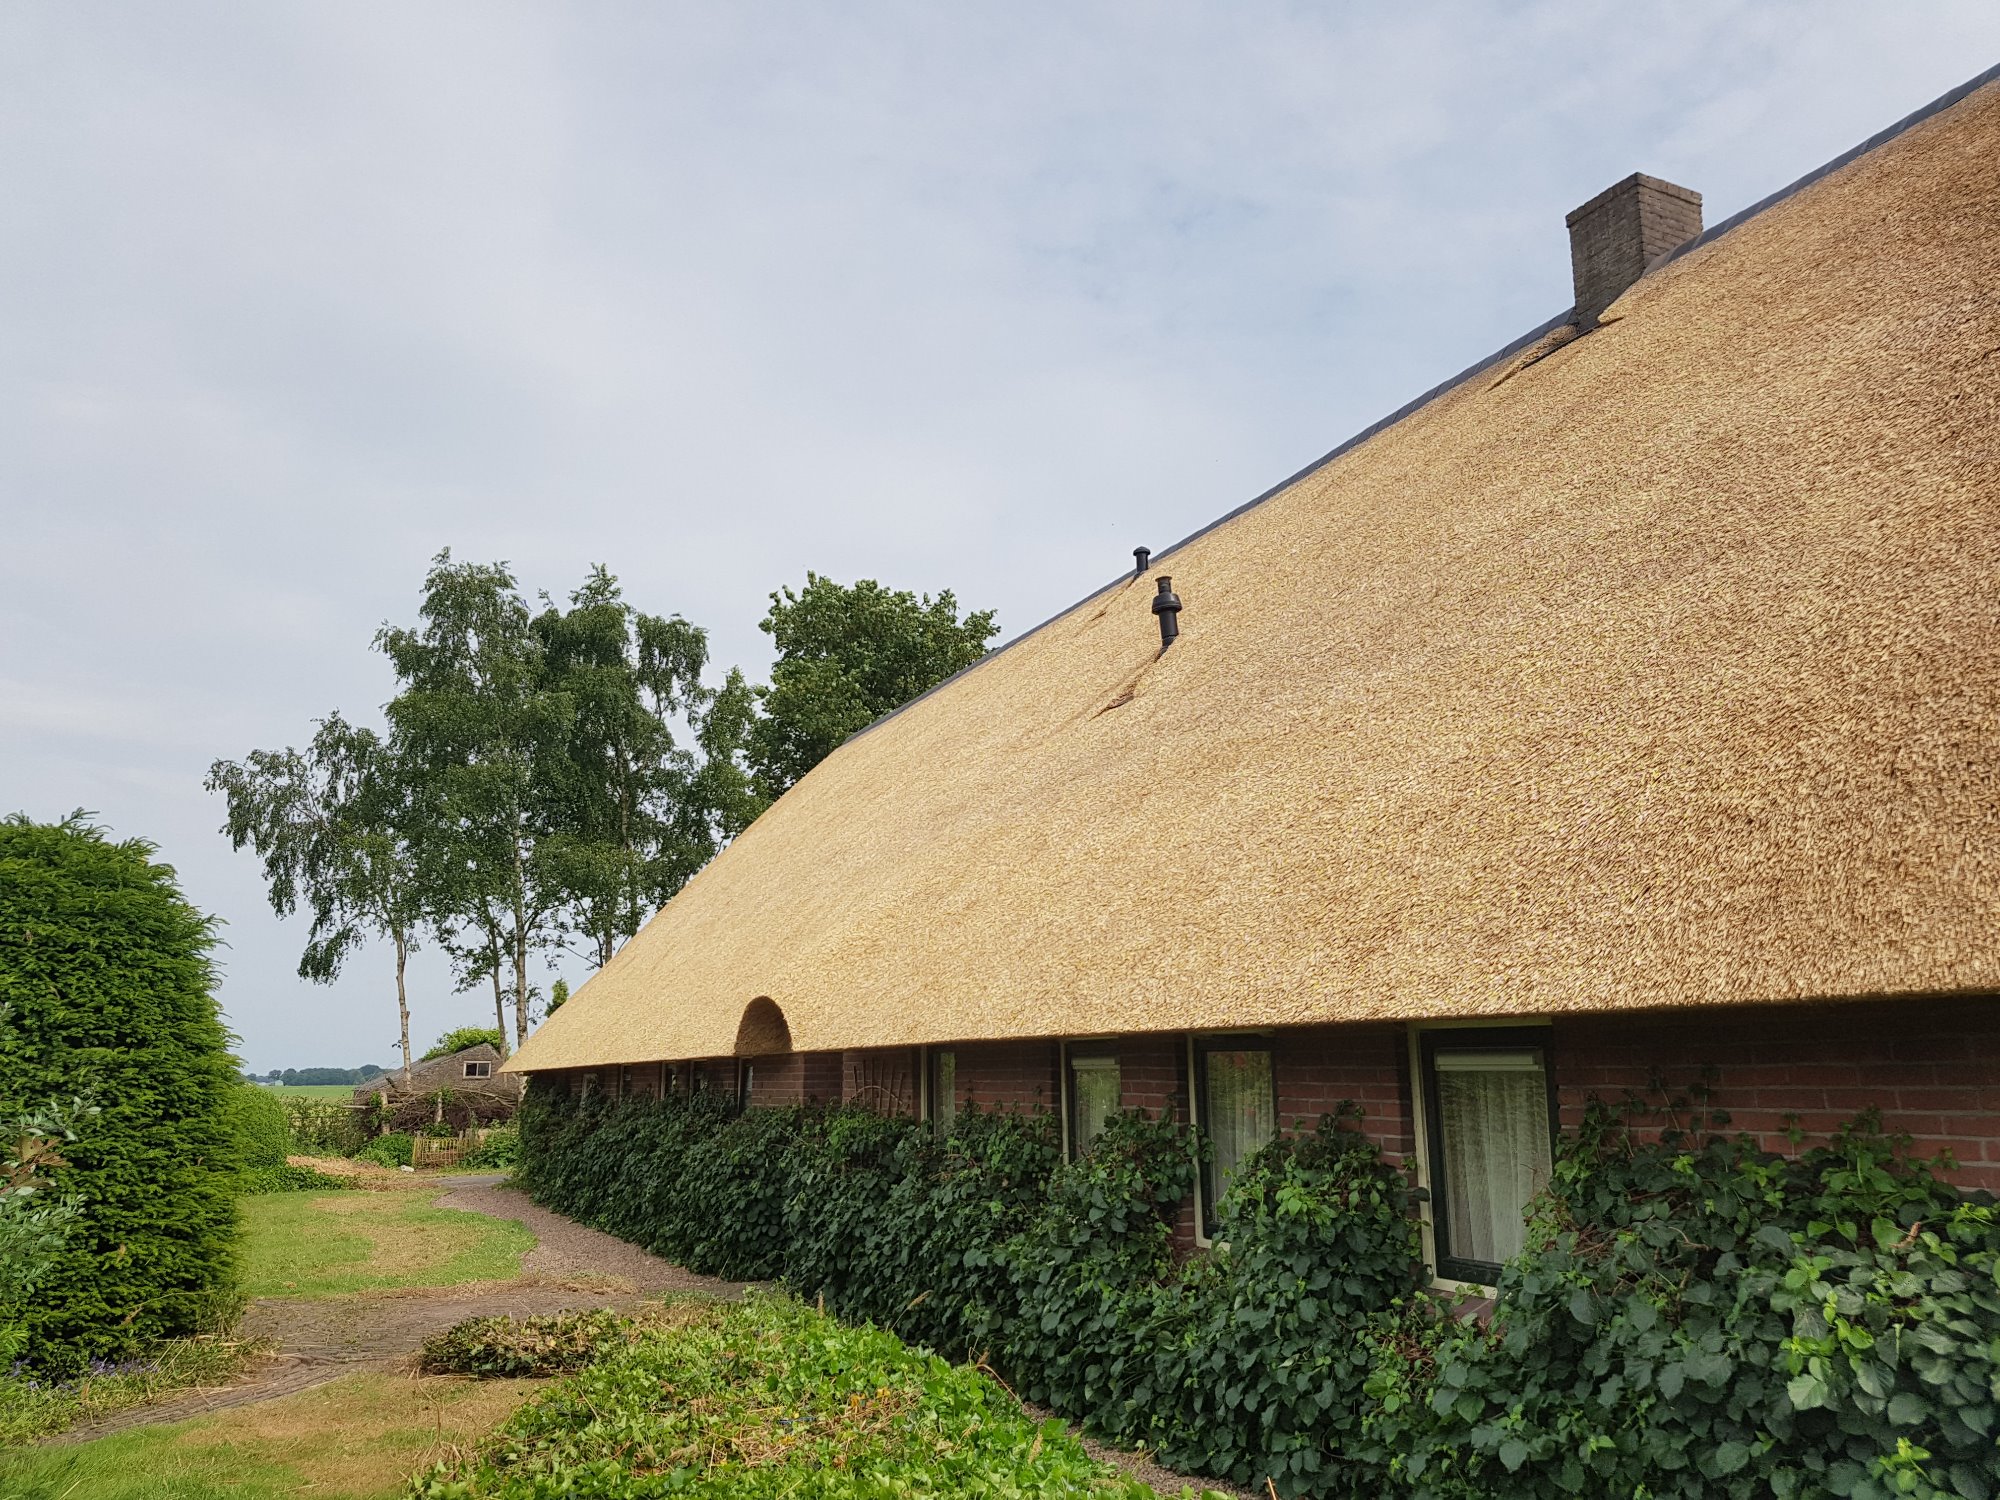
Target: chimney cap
[1626, 185]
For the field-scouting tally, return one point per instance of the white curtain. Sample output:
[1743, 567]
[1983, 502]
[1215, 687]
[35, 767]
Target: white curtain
[1494, 1113]
[1242, 1114]
[1094, 1087]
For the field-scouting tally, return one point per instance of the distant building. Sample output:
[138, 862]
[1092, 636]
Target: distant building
[474, 1069]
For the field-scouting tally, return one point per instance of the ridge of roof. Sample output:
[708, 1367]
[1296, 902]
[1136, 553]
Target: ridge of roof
[1444, 387]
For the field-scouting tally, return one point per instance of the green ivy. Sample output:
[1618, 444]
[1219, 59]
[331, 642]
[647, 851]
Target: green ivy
[1692, 1316]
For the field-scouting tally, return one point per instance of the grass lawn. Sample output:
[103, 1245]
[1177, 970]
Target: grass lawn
[356, 1438]
[330, 1244]
[341, 1091]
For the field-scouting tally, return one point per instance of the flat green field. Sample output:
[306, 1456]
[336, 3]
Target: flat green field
[314, 1090]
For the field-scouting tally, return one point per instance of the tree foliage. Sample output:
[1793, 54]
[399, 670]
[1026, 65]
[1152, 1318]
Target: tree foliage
[846, 655]
[104, 968]
[332, 825]
[458, 1039]
[553, 774]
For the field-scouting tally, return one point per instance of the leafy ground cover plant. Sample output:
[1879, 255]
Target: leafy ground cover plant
[392, 1150]
[768, 1398]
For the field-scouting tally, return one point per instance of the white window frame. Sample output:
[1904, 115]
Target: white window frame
[1196, 1093]
[1421, 1129]
[1063, 1079]
[478, 1062]
[926, 1089]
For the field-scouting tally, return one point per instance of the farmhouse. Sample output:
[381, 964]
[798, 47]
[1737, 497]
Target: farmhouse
[1626, 708]
[470, 1070]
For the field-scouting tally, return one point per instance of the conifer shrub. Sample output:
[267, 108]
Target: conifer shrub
[105, 969]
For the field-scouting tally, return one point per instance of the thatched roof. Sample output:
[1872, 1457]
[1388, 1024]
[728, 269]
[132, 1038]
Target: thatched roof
[1663, 670]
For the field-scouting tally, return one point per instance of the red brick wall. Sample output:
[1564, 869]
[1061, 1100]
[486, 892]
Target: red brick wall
[1006, 1075]
[883, 1078]
[1320, 1067]
[795, 1078]
[1149, 1075]
[1932, 1066]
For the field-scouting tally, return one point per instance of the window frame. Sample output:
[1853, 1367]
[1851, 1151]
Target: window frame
[1427, 1042]
[1104, 1050]
[934, 1087]
[746, 1071]
[478, 1062]
[1207, 1194]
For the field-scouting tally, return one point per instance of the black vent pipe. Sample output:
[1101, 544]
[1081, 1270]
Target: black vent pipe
[1144, 557]
[1167, 605]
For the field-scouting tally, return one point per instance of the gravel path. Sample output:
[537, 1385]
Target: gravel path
[315, 1340]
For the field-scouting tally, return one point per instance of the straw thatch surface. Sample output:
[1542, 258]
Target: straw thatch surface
[1665, 671]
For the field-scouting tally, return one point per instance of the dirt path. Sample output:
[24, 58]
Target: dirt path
[315, 1340]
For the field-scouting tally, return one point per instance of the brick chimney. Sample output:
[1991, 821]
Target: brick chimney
[1623, 230]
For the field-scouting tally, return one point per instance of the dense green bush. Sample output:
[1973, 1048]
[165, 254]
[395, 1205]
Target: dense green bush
[1699, 1318]
[1692, 1317]
[325, 1127]
[35, 1222]
[500, 1150]
[106, 970]
[392, 1150]
[258, 1121]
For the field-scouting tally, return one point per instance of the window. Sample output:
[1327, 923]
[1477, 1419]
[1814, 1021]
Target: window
[942, 1091]
[1489, 1120]
[666, 1079]
[745, 1076]
[625, 1082]
[1236, 1103]
[1092, 1081]
[479, 1070]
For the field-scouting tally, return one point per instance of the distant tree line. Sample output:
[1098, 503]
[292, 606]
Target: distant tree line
[548, 775]
[308, 1076]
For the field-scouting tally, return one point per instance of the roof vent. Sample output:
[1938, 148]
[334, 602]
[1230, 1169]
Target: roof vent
[1143, 556]
[1167, 605]
[1616, 235]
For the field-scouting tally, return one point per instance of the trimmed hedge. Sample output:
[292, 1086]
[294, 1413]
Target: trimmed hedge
[1693, 1317]
[105, 967]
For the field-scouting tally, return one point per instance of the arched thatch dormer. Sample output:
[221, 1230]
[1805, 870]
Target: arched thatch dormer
[763, 1031]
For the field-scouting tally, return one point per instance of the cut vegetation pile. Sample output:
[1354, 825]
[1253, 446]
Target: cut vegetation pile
[764, 1398]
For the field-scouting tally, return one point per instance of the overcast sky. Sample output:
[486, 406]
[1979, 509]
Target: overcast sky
[978, 297]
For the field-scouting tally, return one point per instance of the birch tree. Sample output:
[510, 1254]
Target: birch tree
[332, 828]
[477, 726]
